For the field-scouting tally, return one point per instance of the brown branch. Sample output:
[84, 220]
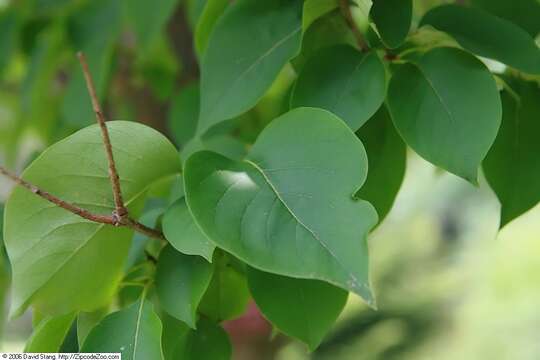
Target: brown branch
[346, 12]
[104, 219]
[121, 211]
[143, 229]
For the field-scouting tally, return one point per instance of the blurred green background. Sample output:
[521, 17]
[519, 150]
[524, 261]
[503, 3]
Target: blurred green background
[449, 285]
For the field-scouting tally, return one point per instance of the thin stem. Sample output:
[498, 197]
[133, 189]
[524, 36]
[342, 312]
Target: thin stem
[104, 219]
[346, 12]
[120, 216]
[121, 210]
[143, 229]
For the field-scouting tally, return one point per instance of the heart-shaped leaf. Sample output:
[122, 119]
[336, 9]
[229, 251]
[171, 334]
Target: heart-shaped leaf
[289, 208]
[446, 106]
[181, 281]
[354, 90]
[487, 35]
[248, 47]
[304, 309]
[61, 262]
[512, 167]
[135, 332]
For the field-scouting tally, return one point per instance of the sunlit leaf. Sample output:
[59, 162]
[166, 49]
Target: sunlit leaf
[289, 209]
[55, 252]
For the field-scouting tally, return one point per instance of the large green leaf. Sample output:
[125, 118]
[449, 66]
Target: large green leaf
[524, 13]
[353, 90]
[487, 35]
[393, 20]
[303, 309]
[183, 233]
[512, 167]
[135, 332]
[446, 106]
[249, 46]
[61, 262]
[181, 281]
[387, 157]
[288, 208]
[50, 334]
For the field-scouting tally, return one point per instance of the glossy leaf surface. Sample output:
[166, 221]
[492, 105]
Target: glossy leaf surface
[354, 90]
[444, 124]
[289, 209]
[249, 46]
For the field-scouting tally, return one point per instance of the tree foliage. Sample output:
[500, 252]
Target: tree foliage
[282, 146]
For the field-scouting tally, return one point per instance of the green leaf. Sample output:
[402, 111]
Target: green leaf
[182, 117]
[314, 9]
[174, 337]
[329, 30]
[223, 144]
[393, 20]
[249, 46]
[213, 9]
[524, 13]
[387, 158]
[86, 321]
[288, 209]
[344, 81]
[183, 233]
[50, 334]
[181, 281]
[61, 262]
[148, 19]
[512, 168]
[448, 126]
[95, 30]
[303, 309]
[208, 342]
[135, 332]
[487, 35]
[227, 296]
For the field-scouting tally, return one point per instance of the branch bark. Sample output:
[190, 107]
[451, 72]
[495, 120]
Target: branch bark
[121, 211]
[104, 219]
[345, 8]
